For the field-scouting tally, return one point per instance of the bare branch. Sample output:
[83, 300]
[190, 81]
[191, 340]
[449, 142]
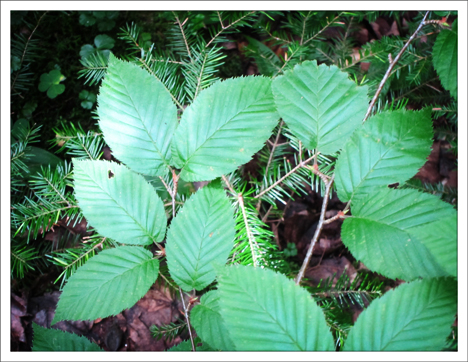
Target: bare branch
[390, 68]
[228, 184]
[187, 319]
[300, 275]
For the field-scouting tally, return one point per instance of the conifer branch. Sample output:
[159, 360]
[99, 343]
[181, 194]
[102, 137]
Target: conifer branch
[25, 49]
[390, 68]
[223, 28]
[298, 166]
[183, 35]
[323, 29]
[250, 236]
[318, 230]
[304, 22]
[199, 78]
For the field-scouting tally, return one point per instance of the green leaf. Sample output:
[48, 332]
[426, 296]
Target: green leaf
[50, 82]
[15, 63]
[87, 50]
[264, 310]
[201, 233]
[119, 203]
[87, 19]
[55, 90]
[445, 59]
[108, 283]
[209, 324]
[222, 129]
[320, 105]
[414, 317]
[40, 158]
[53, 340]
[88, 99]
[137, 116]
[104, 41]
[397, 233]
[389, 148]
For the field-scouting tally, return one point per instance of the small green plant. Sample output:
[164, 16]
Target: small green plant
[51, 83]
[102, 45]
[88, 99]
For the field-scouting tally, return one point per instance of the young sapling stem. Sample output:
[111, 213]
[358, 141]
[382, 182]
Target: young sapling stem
[300, 275]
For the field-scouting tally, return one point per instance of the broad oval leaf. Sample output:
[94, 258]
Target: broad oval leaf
[389, 148]
[413, 317]
[54, 340]
[209, 324]
[108, 283]
[320, 105]
[265, 311]
[119, 203]
[137, 117]
[445, 58]
[223, 128]
[201, 233]
[397, 233]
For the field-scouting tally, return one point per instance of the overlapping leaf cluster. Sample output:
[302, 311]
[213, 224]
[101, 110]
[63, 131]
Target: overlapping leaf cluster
[256, 308]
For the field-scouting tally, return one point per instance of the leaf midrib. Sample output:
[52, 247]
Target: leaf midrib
[377, 162]
[415, 318]
[145, 231]
[143, 123]
[269, 314]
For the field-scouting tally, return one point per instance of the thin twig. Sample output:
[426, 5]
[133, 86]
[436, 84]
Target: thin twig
[227, 27]
[220, 20]
[265, 217]
[187, 319]
[168, 188]
[414, 89]
[271, 158]
[228, 184]
[340, 215]
[321, 31]
[317, 231]
[303, 28]
[390, 68]
[298, 166]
